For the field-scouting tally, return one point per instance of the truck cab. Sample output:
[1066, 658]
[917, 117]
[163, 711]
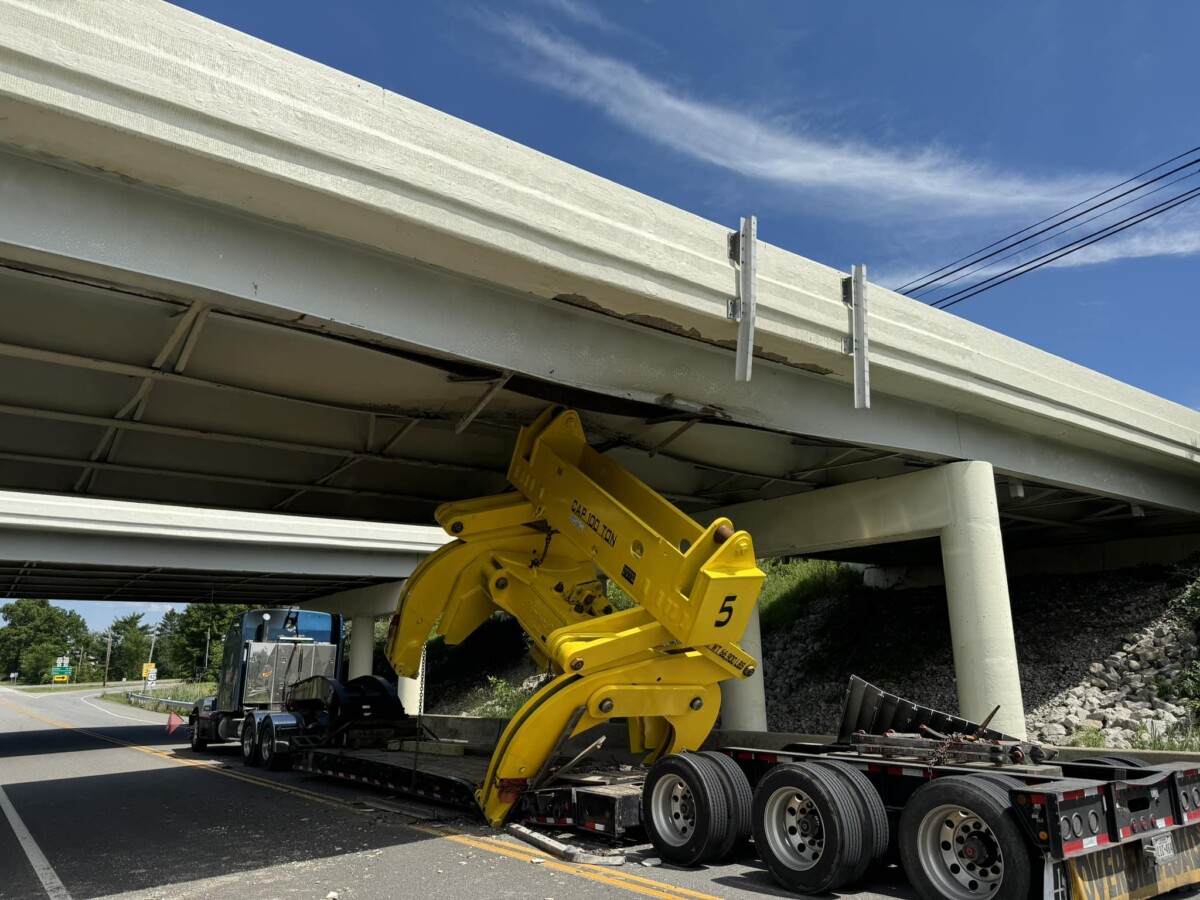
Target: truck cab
[266, 650]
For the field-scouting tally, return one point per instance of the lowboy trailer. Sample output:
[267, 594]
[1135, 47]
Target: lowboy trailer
[969, 813]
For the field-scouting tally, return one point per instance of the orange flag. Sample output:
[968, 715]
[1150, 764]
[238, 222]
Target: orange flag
[173, 722]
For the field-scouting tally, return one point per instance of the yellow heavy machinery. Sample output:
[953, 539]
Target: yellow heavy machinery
[538, 553]
[972, 813]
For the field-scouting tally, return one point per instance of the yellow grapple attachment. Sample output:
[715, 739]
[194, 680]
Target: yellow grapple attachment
[535, 554]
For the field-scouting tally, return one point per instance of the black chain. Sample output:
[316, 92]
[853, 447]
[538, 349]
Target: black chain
[545, 550]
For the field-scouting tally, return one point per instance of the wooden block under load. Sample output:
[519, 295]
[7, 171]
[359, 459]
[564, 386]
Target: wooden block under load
[440, 748]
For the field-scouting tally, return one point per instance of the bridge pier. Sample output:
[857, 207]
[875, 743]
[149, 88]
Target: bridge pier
[744, 701]
[955, 503]
[361, 607]
[361, 651]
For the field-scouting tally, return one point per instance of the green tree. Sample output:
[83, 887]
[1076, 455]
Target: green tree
[130, 647]
[199, 627]
[34, 635]
[166, 658]
[90, 662]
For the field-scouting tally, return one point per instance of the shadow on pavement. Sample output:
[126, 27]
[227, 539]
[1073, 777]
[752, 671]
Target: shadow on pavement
[887, 882]
[105, 834]
[50, 740]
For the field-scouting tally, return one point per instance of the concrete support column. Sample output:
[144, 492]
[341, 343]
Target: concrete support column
[744, 700]
[362, 606]
[362, 645]
[412, 691]
[981, 627]
[955, 503]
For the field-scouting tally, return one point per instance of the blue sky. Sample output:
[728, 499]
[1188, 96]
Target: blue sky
[899, 135]
[99, 614]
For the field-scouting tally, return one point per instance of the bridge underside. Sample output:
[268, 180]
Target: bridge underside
[156, 584]
[156, 349]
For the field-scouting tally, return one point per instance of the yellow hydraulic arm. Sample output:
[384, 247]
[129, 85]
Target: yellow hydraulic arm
[535, 554]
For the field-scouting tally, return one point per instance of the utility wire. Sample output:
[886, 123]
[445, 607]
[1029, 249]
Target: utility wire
[1051, 237]
[927, 280]
[1052, 255]
[903, 287]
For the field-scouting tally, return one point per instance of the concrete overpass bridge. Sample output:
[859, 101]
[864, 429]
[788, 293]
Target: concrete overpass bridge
[88, 548]
[233, 278]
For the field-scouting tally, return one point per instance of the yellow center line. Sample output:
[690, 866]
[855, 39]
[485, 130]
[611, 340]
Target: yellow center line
[637, 884]
[613, 872]
[604, 876]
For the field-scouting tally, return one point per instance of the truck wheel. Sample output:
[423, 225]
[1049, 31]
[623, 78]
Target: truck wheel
[959, 841]
[807, 828]
[198, 744]
[270, 758]
[876, 832]
[249, 743]
[1120, 762]
[683, 809]
[738, 798]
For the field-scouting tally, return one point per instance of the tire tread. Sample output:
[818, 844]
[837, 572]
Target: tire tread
[738, 797]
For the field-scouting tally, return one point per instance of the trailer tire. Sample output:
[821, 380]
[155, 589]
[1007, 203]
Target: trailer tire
[1119, 762]
[948, 826]
[195, 741]
[249, 742]
[267, 754]
[807, 828]
[683, 809]
[876, 831]
[738, 798]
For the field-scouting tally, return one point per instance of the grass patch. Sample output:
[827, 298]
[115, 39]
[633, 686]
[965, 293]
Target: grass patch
[790, 586]
[1182, 688]
[499, 700]
[184, 691]
[61, 688]
[1088, 737]
[1184, 739]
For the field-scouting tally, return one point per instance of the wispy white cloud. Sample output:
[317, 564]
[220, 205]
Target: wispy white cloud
[851, 177]
[582, 14]
[1178, 238]
[1176, 233]
[843, 177]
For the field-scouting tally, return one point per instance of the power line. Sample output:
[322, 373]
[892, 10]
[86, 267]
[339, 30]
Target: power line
[1051, 237]
[902, 288]
[928, 279]
[1053, 255]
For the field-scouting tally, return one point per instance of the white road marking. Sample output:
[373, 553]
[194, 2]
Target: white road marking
[118, 715]
[45, 872]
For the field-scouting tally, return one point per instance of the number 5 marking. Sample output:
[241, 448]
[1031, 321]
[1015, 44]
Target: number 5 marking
[726, 611]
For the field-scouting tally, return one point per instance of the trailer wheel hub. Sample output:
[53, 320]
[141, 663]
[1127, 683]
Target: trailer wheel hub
[960, 853]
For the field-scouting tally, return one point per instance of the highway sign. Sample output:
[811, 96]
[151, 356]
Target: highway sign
[61, 670]
[12, 676]
[147, 668]
[152, 675]
[61, 679]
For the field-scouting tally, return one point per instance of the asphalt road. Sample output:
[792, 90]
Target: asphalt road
[107, 805]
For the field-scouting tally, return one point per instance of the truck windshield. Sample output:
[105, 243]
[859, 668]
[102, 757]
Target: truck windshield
[317, 626]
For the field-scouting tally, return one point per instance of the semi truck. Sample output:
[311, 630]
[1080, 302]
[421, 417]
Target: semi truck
[967, 811]
[265, 651]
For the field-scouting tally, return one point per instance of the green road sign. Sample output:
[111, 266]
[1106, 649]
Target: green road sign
[60, 670]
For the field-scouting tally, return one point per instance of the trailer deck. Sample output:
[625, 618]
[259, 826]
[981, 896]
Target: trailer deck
[445, 779]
